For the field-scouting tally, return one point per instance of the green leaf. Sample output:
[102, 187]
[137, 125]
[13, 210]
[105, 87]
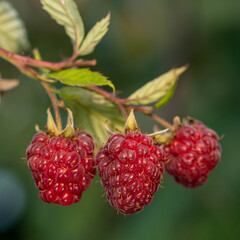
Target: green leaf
[94, 36]
[167, 97]
[65, 13]
[13, 35]
[157, 89]
[91, 111]
[80, 77]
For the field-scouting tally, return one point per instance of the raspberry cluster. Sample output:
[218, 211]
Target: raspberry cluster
[194, 152]
[62, 168]
[130, 165]
[131, 168]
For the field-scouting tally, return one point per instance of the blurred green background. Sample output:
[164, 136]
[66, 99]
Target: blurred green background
[146, 38]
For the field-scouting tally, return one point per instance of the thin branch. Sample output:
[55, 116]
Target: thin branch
[54, 101]
[106, 94]
[162, 121]
[123, 110]
[81, 63]
[147, 110]
[28, 61]
[112, 98]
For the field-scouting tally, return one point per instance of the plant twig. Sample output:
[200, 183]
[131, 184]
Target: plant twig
[106, 94]
[28, 61]
[123, 110]
[122, 104]
[54, 101]
[112, 98]
[162, 121]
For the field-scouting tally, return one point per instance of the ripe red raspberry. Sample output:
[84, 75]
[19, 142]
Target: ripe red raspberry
[61, 167]
[130, 168]
[194, 152]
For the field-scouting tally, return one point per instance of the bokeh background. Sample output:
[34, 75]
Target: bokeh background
[146, 38]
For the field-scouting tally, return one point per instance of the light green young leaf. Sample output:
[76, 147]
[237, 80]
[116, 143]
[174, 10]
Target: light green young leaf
[80, 77]
[167, 97]
[153, 91]
[91, 111]
[13, 35]
[94, 36]
[65, 13]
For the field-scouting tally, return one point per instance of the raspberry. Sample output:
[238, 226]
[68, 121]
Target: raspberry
[194, 153]
[130, 168]
[61, 167]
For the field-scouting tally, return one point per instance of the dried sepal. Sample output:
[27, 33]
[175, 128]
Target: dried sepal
[108, 129]
[176, 123]
[188, 120]
[51, 125]
[166, 136]
[69, 129]
[161, 137]
[131, 123]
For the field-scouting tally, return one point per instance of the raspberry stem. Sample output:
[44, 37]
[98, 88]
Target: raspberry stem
[162, 121]
[28, 61]
[54, 101]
